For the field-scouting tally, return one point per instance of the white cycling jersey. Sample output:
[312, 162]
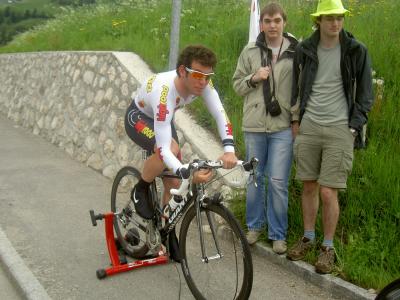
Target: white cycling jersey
[159, 99]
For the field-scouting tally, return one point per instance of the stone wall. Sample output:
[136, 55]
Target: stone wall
[77, 100]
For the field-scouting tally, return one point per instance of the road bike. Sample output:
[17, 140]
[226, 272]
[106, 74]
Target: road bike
[390, 292]
[216, 260]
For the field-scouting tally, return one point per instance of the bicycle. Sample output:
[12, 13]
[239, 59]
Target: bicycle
[212, 244]
[390, 292]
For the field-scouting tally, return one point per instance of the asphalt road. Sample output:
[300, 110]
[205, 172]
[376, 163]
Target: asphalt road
[7, 290]
[45, 197]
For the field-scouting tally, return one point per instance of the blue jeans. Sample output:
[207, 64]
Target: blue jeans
[274, 151]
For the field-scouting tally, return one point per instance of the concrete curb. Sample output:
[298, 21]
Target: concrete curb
[330, 283]
[20, 275]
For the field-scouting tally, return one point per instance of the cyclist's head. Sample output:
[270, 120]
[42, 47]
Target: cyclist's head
[194, 68]
[198, 53]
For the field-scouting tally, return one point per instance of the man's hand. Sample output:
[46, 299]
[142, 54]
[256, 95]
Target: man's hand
[229, 159]
[295, 128]
[261, 74]
[202, 176]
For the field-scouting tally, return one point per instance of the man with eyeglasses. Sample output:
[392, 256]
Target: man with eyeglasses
[263, 76]
[149, 123]
[331, 96]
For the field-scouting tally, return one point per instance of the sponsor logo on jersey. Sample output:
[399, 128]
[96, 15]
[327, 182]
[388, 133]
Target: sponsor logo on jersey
[229, 129]
[162, 107]
[228, 126]
[142, 127]
[141, 103]
[210, 83]
[149, 85]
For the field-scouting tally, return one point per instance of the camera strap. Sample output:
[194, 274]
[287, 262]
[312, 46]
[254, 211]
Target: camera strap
[268, 95]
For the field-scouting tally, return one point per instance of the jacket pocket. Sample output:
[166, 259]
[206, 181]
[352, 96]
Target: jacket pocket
[253, 113]
[346, 163]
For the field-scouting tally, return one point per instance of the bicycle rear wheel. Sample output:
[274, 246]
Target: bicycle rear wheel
[129, 226]
[228, 276]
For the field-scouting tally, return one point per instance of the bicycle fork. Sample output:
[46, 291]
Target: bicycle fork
[204, 256]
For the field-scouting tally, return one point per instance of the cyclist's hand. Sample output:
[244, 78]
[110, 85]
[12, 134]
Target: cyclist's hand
[202, 176]
[229, 159]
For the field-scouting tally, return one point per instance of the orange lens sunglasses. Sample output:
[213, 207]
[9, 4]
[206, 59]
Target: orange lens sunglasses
[199, 75]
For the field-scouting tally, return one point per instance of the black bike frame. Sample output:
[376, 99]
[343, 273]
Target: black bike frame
[178, 213]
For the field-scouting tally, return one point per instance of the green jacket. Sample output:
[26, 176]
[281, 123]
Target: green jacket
[255, 118]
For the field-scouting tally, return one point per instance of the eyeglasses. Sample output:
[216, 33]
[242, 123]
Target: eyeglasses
[333, 18]
[199, 75]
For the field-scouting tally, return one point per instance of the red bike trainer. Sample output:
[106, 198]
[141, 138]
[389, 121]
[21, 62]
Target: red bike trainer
[116, 265]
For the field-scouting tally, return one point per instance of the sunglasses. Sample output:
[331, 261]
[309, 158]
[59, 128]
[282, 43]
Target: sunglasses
[199, 75]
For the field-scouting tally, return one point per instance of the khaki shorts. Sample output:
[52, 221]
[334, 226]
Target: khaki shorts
[324, 154]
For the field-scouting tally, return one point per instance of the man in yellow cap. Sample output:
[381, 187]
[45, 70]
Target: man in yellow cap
[331, 96]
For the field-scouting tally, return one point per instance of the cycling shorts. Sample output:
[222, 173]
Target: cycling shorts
[140, 128]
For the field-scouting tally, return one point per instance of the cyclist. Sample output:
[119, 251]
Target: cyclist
[149, 123]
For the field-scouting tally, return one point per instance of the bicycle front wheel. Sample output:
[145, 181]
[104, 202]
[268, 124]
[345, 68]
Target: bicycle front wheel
[224, 270]
[390, 292]
[127, 223]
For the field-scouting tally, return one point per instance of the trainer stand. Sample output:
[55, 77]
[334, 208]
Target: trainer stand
[120, 264]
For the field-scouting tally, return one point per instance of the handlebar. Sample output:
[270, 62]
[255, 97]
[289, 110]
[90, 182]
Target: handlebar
[187, 171]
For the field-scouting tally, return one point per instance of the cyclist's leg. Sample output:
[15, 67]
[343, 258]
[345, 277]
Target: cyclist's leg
[154, 166]
[140, 128]
[126, 224]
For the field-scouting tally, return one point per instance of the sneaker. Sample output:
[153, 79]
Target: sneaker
[252, 236]
[142, 203]
[300, 249]
[326, 260]
[279, 246]
[173, 246]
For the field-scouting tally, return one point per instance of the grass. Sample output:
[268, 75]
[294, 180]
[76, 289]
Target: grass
[368, 232]
[40, 5]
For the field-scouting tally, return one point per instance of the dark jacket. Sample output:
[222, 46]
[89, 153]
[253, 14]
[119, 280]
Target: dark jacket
[355, 66]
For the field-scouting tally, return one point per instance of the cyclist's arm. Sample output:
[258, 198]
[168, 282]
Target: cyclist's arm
[214, 106]
[163, 113]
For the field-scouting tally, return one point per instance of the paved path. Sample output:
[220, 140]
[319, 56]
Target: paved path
[7, 290]
[45, 197]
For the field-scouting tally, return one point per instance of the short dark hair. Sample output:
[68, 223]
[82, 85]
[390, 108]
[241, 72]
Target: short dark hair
[316, 21]
[199, 53]
[271, 9]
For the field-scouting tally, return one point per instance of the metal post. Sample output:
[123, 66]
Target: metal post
[174, 37]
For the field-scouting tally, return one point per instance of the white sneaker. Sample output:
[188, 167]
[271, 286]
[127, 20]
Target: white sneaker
[252, 236]
[279, 247]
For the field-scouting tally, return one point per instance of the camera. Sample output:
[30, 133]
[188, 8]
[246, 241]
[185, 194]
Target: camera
[274, 108]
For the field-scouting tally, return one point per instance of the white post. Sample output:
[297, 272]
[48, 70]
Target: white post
[174, 37]
[254, 27]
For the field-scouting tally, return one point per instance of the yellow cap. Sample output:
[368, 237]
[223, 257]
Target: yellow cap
[329, 7]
